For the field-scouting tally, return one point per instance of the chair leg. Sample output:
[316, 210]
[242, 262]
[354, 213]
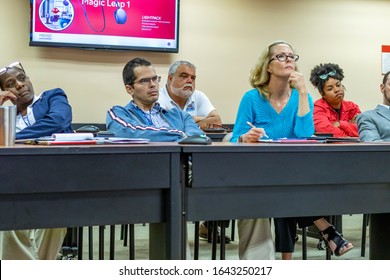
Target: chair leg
[196, 241]
[128, 235]
[125, 233]
[90, 243]
[232, 234]
[80, 244]
[364, 234]
[131, 242]
[112, 242]
[223, 241]
[101, 242]
[213, 235]
[214, 239]
[210, 227]
[304, 243]
[122, 236]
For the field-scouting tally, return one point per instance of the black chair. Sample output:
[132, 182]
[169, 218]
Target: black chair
[100, 126]
[128, 235]
[73, 242]
[212, 237]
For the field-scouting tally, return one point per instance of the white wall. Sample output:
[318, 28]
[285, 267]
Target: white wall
[223, 38]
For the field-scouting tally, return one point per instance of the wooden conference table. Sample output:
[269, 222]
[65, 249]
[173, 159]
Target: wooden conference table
[70, 186]
[235, 181]
[105, 184]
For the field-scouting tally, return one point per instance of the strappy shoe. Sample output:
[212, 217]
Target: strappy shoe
[330, 234]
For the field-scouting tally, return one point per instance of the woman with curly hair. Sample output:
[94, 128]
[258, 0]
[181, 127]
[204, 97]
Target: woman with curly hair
[332, 114]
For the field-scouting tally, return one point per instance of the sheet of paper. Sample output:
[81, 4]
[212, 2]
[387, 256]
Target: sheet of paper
[118, 140]
[72, 136]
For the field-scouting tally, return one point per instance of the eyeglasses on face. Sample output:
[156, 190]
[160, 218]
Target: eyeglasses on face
[146, 81]
[330, 74]
[15, 64]
[283, 57]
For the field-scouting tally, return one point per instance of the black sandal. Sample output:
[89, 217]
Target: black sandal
[338, 240]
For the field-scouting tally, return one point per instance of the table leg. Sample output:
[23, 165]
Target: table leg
[379, 237]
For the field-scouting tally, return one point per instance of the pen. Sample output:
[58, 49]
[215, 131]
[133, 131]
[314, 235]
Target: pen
[253, 126]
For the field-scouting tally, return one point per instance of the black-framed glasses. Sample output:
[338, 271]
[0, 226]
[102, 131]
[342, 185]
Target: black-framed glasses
[330, 74]
[15, 64]
[283, 57]
[146, 81]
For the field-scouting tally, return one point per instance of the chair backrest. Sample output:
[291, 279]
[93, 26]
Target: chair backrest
[227, 137]
[101, 126]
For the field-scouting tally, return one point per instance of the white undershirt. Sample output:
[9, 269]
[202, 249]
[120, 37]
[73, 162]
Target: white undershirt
[28, 120]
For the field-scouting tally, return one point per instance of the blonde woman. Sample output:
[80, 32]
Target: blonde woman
[278, 106]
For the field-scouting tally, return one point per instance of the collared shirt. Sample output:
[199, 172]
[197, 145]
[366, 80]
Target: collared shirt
[153, 116]
[28, 120]
[386, 106]
[325, 115]
[197, 105]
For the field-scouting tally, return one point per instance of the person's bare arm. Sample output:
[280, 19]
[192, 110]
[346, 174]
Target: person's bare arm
[212, 118]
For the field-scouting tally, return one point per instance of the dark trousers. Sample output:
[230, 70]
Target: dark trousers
[286, 231]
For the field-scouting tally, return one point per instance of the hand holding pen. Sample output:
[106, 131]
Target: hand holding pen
[254, 134]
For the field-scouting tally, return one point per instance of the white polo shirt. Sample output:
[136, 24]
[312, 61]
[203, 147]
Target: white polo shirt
[198, 105]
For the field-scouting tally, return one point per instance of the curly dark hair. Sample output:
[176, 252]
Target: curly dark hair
[324, 70]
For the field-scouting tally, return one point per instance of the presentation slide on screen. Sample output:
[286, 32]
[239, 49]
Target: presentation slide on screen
[116, 22]
[385, 59]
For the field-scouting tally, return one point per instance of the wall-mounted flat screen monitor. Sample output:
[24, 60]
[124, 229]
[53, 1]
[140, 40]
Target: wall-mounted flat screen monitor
[149, 25]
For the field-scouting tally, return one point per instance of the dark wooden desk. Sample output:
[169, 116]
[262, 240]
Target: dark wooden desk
[70, 186]
[99, 185]
[235, 181]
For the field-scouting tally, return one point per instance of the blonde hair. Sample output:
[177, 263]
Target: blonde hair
[259, 77]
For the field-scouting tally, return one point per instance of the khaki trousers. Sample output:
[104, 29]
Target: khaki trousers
[255, 240]
[32, 244]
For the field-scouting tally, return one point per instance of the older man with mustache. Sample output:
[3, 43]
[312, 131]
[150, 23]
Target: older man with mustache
[180, 92]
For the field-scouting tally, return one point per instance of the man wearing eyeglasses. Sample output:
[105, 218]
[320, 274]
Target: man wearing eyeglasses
[278, 106]
[143, 117]
[37, 116]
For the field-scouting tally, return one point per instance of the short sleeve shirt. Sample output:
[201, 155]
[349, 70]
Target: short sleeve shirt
[198, 105]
